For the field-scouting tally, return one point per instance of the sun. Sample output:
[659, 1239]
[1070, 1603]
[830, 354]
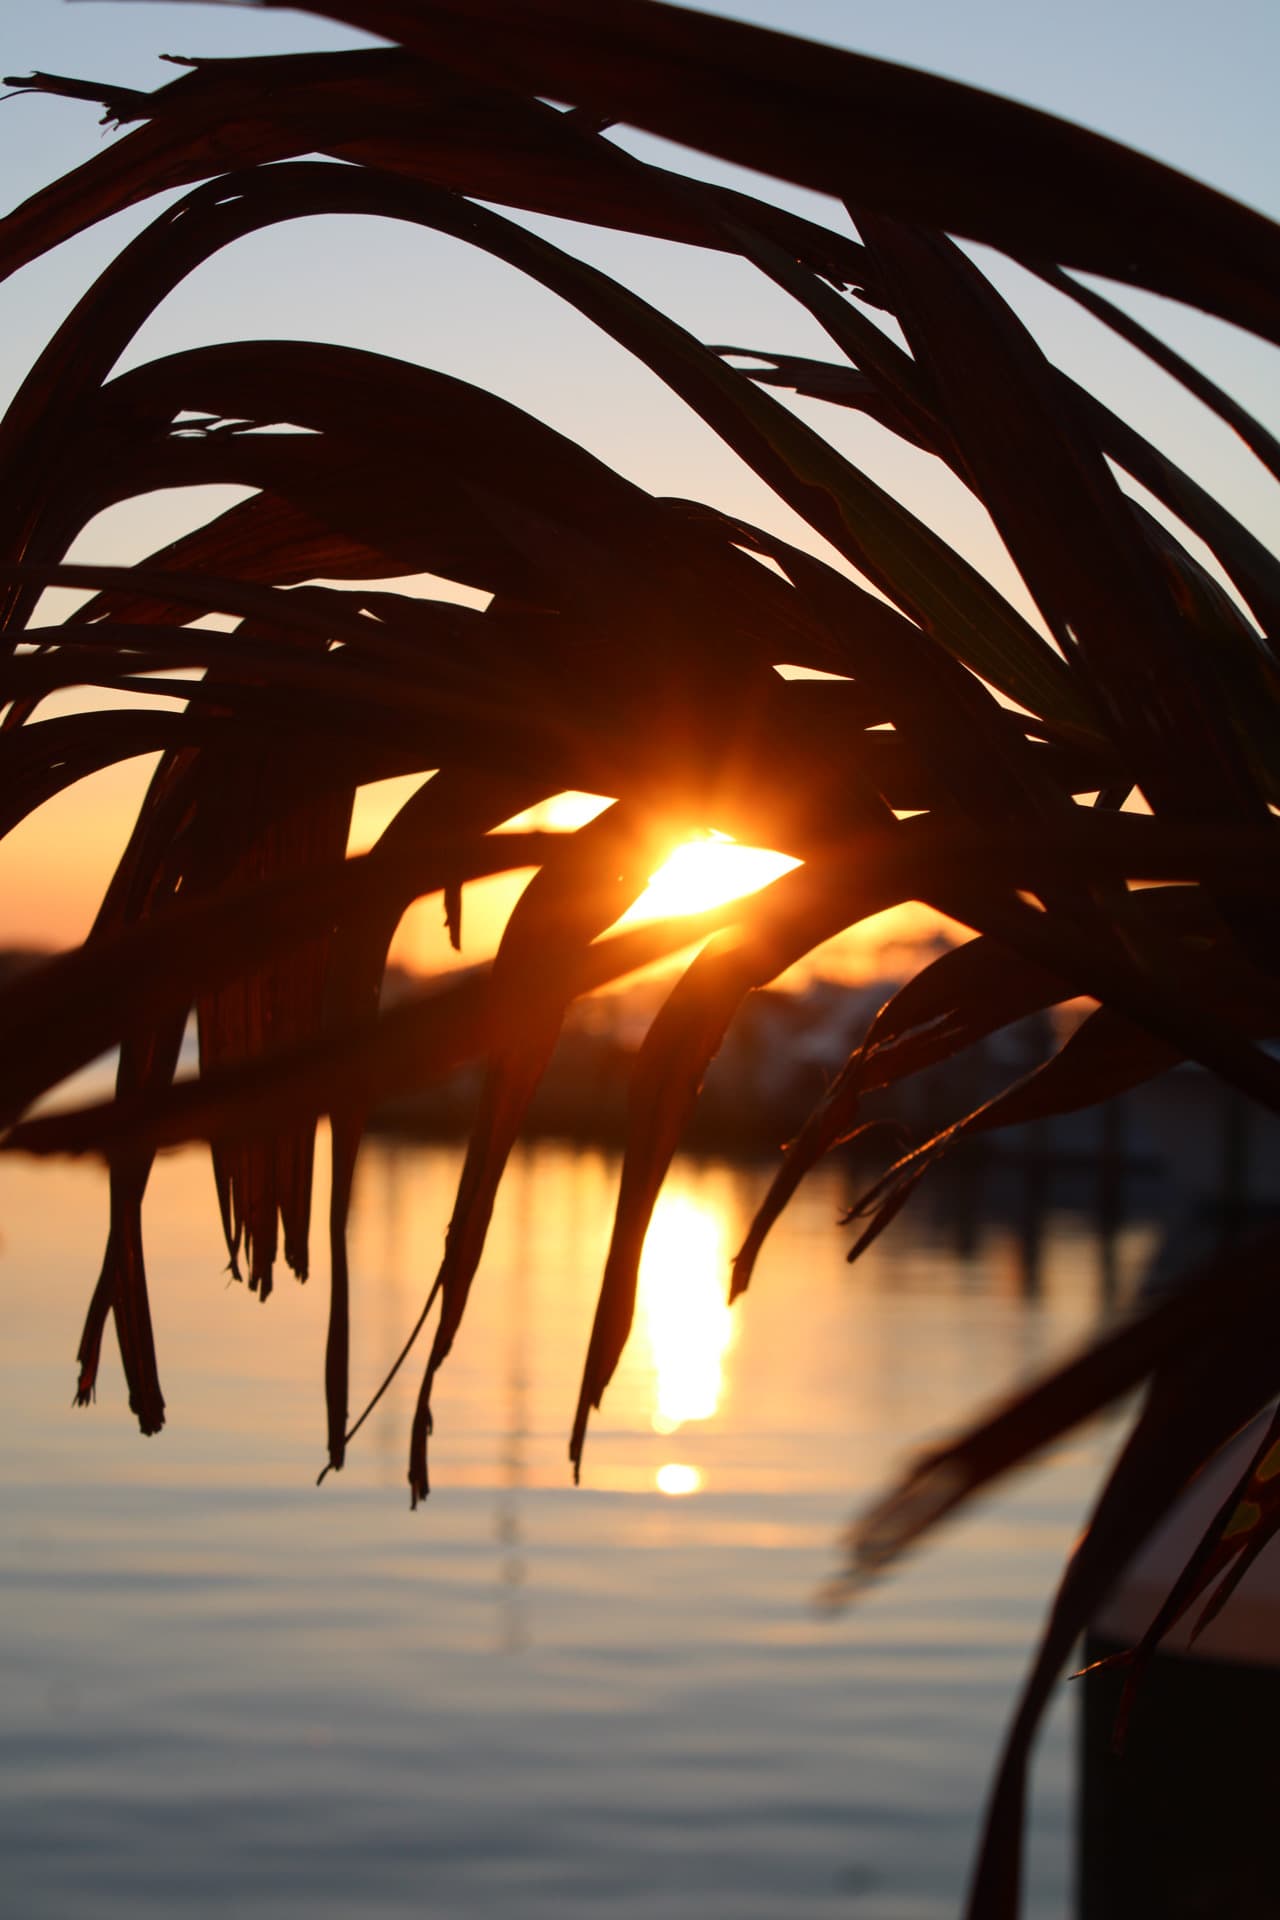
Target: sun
[701, 873]
[704, 873]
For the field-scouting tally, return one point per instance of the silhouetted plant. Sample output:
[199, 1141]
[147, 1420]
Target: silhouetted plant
[963, 757]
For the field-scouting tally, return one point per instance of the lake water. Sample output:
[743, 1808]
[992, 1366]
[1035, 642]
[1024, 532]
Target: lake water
[228, 1692]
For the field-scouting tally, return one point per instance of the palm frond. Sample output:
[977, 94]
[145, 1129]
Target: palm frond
[628, 647]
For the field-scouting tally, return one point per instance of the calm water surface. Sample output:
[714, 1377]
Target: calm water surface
[228, 1692]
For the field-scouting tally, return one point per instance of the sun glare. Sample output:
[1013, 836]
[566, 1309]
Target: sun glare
[703, 872]
[706, 873]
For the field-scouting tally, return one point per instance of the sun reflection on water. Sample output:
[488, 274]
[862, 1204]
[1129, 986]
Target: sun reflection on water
[684, 1312]
[677, 1478]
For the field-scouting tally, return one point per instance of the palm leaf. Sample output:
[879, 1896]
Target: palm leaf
[905, 143]
[629, 649]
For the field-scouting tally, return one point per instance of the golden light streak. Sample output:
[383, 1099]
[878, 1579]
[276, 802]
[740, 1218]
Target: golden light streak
[684, 1310]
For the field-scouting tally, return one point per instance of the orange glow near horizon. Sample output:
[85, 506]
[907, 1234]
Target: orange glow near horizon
[55, 866]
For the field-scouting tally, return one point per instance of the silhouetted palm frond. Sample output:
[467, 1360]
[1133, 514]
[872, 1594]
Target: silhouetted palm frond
[963, 754]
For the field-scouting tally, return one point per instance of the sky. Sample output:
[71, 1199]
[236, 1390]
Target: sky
[1192, 85]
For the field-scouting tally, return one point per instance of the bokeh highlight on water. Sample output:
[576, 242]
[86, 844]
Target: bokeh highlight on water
[228, 1692]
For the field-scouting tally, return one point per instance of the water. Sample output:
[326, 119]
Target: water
[226, 1691]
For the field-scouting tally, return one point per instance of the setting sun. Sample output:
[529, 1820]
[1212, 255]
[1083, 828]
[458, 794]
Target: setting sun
[699, 874]
[705, 873]
[702, 872]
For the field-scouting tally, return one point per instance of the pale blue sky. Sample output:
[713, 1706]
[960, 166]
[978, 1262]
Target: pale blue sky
[1192, 84]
